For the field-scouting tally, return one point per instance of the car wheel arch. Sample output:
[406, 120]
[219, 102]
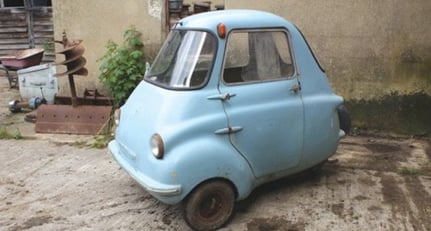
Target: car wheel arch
[226, 180]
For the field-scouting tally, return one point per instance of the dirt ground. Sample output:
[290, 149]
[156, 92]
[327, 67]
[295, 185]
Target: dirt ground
[58, 182]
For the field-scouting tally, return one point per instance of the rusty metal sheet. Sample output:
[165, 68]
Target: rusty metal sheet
[66, 119]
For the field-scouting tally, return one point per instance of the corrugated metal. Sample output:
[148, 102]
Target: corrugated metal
[20, 28]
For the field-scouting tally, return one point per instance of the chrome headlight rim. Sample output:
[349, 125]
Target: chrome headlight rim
[157, 146]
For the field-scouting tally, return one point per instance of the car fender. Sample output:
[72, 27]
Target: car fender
[201, 159]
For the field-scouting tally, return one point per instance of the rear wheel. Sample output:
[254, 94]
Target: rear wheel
[210, 205]
[344, 117]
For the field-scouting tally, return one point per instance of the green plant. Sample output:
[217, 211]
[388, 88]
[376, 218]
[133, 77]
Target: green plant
[6, 134]
[123, 66]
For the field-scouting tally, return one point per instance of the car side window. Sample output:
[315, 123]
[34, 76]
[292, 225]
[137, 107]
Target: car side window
[256, 56]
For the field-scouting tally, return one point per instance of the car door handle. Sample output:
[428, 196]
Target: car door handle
[222, 97]
[295, 88]
[228, 130]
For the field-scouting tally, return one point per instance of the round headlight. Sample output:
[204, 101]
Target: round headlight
[157, 147]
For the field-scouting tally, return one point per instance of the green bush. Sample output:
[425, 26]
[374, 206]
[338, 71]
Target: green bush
[123, 66]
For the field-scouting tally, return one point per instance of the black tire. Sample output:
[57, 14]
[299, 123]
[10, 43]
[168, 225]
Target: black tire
[344, 118]
[209, 206]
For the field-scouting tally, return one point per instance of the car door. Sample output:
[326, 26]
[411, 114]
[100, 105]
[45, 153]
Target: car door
[262, 100]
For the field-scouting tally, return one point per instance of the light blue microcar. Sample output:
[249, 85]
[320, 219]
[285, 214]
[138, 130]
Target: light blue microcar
[234, 99]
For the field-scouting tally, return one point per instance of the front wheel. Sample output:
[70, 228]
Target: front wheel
[210, 205]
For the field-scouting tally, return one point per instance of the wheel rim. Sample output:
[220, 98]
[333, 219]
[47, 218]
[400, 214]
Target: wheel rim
[209, 206]
[212, 207]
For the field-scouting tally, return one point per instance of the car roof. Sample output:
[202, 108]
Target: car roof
[233, 19]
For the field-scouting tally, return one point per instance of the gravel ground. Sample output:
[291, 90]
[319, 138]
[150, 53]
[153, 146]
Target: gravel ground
[57, 182]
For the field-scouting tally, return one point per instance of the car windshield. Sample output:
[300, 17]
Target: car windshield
[184, 61]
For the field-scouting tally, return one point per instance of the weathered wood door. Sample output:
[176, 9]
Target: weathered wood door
[26, 24]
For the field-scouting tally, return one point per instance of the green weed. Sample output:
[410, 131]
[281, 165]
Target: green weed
[6, 134]
[101, 141]
[410, 171]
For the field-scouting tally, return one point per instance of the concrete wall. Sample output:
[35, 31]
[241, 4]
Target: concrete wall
[98, 21]
[377, 55]
[369, 48]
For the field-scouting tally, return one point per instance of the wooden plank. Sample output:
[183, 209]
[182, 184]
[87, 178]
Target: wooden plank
[10, 50]
[43, 34]
[15, 17]
[42, 28]
[13, 30]
[12, 24]
[13, 35]
[12, 17]
[44, 39]
[14, 47]
[43, 23]
[13, 41]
